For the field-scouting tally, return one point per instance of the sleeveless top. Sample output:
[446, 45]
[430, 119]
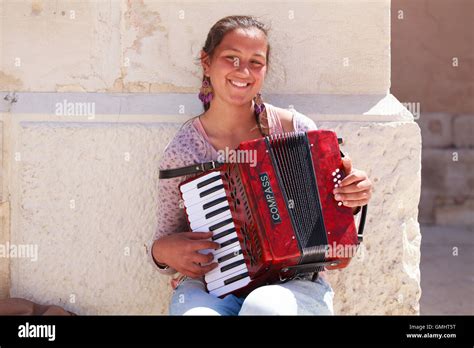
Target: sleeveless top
[191, 145]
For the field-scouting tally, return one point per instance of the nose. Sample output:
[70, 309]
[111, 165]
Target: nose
[243, 68]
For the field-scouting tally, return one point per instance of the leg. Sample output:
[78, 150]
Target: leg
[295, 297]
[191, 298]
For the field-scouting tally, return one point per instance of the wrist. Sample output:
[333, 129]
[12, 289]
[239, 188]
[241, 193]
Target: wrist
[157, 258]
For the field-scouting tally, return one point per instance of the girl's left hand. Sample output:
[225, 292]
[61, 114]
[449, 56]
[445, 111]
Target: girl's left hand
[355, 189]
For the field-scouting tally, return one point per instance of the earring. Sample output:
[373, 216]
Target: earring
[205, 93]
[260, 113]
[259, 105]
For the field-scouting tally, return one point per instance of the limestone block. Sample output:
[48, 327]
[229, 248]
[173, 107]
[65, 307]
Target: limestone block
[436, 129]
[86, 195]
[60, 46]
[456, 212]
[427, 205]
[448, 172]
[387, 270]
[463, 130]
[4, 258]
[153, 46]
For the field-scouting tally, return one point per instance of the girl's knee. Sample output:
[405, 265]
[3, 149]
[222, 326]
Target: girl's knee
[270, 300]
[201, 311]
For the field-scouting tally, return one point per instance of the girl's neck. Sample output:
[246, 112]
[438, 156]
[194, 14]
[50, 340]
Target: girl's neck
[225, 119]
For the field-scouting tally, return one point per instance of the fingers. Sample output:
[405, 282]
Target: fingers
[355, 203]
[355, 190]
[197, 235]
[202, 258]
[354, 196]
[205, 244]
[347, 165]
[195, 270]
[356, 175]
[363, 185]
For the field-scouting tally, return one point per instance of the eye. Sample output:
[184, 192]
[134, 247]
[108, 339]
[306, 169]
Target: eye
[257, 62]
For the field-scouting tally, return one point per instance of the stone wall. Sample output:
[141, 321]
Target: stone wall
[447, 197]
[82, 187]
[433, 69]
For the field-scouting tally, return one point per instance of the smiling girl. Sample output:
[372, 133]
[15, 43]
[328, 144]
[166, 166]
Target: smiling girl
[234, 59]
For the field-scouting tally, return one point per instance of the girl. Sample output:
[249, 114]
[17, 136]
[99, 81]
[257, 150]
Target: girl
[234, 59]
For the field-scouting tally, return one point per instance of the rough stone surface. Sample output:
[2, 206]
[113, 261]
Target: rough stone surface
[436, 129]
[82, 250]
[4, 238]
[387, 271]
[448, 173]
[463, 130]
[456, 212]
[126, 46]
[92, 213]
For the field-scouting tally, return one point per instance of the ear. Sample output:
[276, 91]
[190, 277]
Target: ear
[205, 62]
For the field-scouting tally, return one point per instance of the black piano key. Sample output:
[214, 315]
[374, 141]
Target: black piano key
[208, 181]
[214, 202]
[237, 277]
[223, 233]
[211, 190]
[229, 256]
[220, 224]
[216, 212]
[232, 265]
[228, 242]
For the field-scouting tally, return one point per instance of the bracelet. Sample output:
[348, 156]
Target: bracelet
[162, 266]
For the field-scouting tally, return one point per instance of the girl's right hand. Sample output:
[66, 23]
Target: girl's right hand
[181, 252]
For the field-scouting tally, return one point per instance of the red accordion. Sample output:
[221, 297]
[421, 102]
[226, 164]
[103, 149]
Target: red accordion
[275, 218]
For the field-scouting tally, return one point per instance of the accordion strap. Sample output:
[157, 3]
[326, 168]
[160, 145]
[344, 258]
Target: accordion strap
[192, 169]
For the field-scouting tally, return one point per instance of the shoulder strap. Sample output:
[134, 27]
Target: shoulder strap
[192, 169]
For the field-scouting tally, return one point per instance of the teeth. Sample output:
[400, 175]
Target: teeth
[238, 84]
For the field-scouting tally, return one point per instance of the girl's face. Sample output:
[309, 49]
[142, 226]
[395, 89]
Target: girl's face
[240, 58]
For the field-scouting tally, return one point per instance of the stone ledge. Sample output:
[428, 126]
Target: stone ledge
[177, 108]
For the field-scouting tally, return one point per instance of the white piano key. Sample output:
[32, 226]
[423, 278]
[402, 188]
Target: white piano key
[193, 184]
[227, 275]
[226, 238]
[196, 225]
[198, 193]
[217, 272]
[231, 287]
[200, 214]
[210, 224]
[225, 248]
[219, 235]
[223, 228]
[196, 200]
[221, 251]
[199, 208]
[235, 248]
